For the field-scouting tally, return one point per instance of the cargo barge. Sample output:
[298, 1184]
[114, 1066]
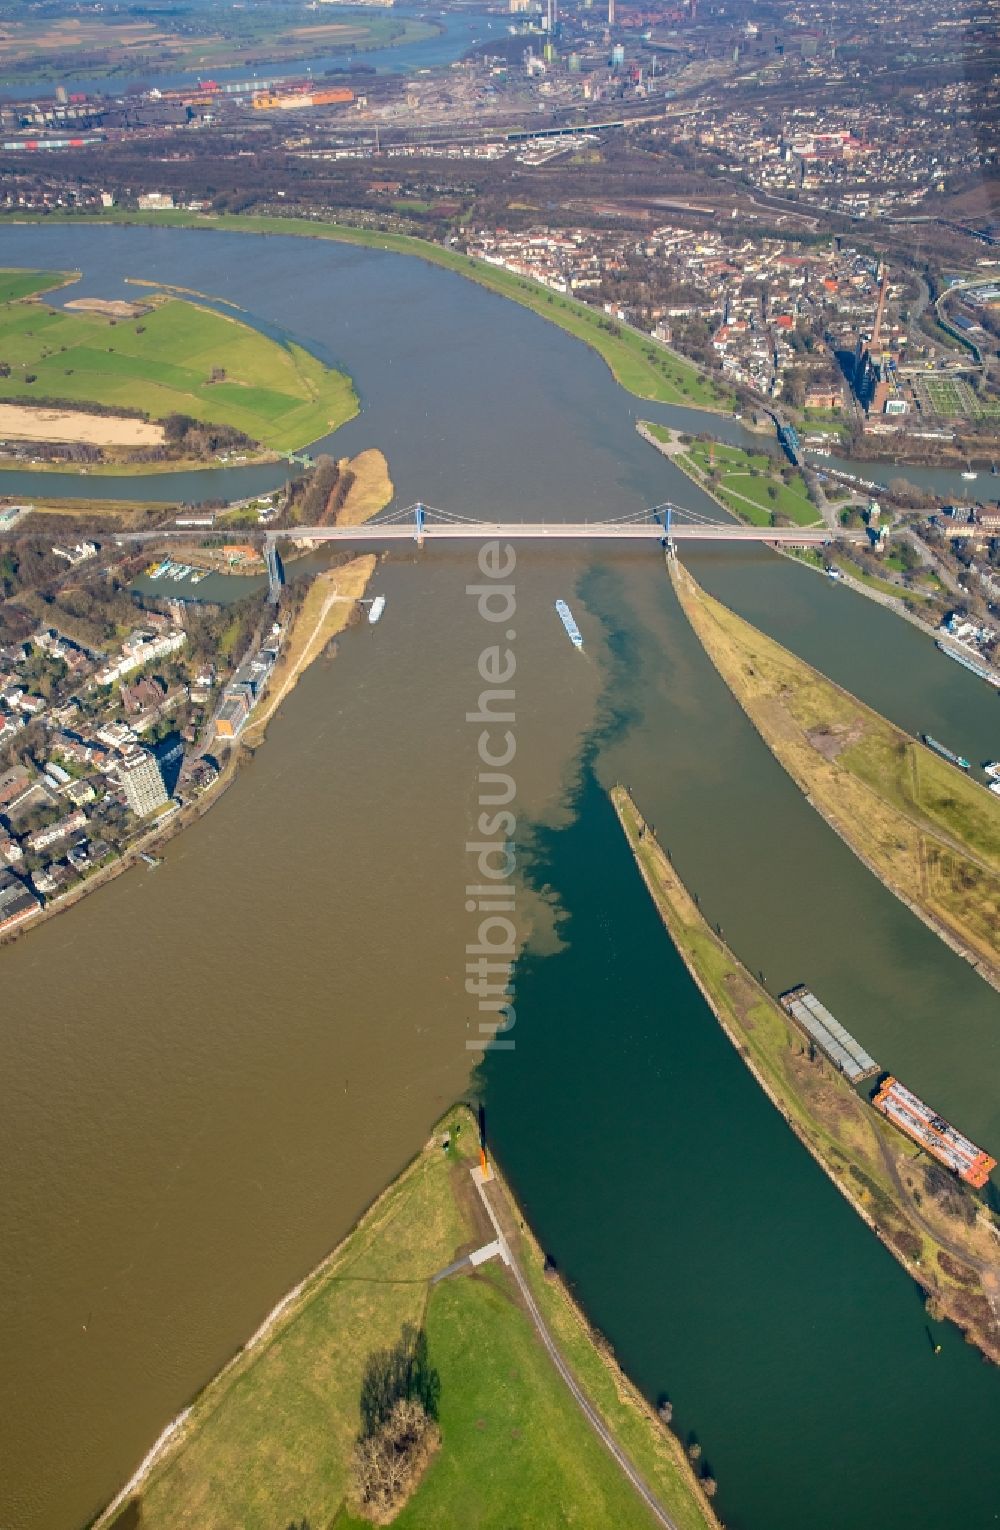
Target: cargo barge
[945, 753]
[846, 1054]
[974, 666]
[933, 1133]
[572, 630]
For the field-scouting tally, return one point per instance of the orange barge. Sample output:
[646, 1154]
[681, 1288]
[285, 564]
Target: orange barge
[932, 1132]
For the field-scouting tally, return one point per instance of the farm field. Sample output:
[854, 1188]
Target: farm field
[178, 358]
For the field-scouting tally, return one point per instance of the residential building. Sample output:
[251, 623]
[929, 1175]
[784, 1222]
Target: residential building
[142, 781]
[17, 900]
[62, 829]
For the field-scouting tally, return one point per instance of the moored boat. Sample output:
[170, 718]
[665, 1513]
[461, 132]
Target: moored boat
[981, 670]
[945, 753]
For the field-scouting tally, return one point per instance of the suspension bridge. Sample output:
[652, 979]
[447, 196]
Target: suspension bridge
[663, 523]
[667, 524]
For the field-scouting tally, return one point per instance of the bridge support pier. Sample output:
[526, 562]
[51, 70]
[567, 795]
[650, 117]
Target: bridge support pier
[419, 517]
[275, 572]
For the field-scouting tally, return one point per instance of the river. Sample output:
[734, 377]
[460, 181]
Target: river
[211, 1067]
[455, 32]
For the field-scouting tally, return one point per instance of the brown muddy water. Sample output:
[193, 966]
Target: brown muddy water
[210, 1068]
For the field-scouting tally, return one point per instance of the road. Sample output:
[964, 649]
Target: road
[930, 560]
[589, 1411]
[554, 531]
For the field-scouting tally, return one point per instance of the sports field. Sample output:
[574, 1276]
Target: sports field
[177, 359]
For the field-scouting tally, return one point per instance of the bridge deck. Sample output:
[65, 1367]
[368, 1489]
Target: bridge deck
[560, 531]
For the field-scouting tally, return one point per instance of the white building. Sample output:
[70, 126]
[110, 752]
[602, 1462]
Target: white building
[142, 780]
[141, 648]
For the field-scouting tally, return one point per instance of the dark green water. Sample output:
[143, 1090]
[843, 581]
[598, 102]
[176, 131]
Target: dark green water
[209, 1069]
[727, 1270]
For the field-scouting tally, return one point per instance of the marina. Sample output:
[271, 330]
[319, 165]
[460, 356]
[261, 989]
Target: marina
[168, 569]
[932, 1132]
[820, 1026]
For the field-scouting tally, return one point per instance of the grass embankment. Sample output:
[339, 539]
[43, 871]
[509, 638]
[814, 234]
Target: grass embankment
[936, 1228]
[164, 362]
[270, 1440]
[640, 364]
[326, 610]
[744, 481]
[928, 832]
[127, 514]
[830, 556]
[17, 283]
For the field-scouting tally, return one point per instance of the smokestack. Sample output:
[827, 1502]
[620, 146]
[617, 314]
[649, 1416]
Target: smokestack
[611, 13]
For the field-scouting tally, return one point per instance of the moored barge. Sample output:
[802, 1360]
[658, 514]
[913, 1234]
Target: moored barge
[945, 752]
[933, 1133]
[820, 1026]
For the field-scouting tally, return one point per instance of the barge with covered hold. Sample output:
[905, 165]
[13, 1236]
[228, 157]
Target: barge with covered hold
[820, 1026]
[944, 752]
[933, 1133]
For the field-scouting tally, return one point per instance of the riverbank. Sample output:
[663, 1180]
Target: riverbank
[887, 598]
[106, 49]
[330, 603]
[159, 834]
[371, 487]
[942, 1234]
[328, 607]
[929, 832]
[332, 599]
[272, 1434]
[638, 362]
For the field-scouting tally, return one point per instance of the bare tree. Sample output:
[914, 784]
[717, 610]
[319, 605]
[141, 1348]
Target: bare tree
[388, 1462]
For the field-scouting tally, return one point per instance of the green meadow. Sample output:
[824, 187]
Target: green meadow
[179, 358]
[22, 284]
[269, 1442]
